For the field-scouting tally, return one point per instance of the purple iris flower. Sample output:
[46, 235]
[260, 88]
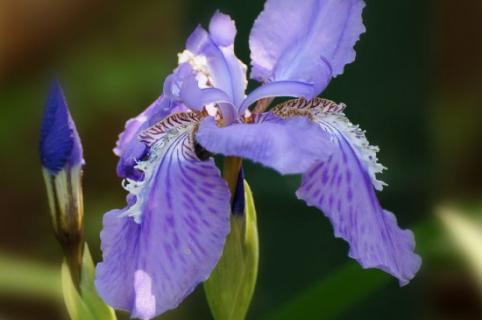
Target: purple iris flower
[171, 234]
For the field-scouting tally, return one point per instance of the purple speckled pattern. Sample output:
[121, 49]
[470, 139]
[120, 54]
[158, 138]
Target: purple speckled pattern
[149, 267]
[341, 187]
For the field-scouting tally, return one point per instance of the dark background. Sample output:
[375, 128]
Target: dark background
[415, 87]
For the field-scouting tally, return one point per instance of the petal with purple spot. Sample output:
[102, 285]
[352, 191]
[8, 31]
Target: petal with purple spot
[172, 233]
[342, 186]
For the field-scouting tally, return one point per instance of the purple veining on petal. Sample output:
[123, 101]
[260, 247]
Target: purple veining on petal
[150, 266]
[128, 148]
[343, 188]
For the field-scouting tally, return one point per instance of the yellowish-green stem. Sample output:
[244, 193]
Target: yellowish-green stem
[232, 166]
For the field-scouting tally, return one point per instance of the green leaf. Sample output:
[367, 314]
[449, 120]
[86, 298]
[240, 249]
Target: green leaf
[231, 285]
[350, 284]
[87, 304]
[335, 294]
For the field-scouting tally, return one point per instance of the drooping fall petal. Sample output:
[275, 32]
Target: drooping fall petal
[171, 234]
[342, 186]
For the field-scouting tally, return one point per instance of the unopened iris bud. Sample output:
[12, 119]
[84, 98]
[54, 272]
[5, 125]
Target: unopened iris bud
[61, 157]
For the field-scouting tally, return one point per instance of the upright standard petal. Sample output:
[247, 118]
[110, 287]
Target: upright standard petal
[310, 41]
[171, 235]
[59, 141]
[213, 53]
[289, 146]
[342, 186]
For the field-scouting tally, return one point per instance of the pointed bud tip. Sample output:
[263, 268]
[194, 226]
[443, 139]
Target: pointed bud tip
[59, 141]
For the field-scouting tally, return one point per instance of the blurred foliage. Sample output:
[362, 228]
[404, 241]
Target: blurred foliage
[21, 277]
[466, 233]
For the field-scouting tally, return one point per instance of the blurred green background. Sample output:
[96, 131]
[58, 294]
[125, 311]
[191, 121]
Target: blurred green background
[416, 87]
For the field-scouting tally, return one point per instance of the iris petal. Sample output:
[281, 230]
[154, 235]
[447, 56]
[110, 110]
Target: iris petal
[197, 98]
[288, 146]
[172, 233]
[342, 186]
[222, 29]
[226, 71]
[310, 42]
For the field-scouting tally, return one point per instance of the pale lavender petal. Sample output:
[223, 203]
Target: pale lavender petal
[170, 237]
[222, 29]
[279, 89]
[288, 146]
[225, 70]
[310, 41]
[342, 186]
